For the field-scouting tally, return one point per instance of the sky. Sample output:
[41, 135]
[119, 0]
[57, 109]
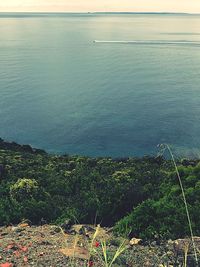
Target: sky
[188, 6]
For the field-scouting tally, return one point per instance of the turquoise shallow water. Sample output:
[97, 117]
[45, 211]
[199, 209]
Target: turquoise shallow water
[62, 92]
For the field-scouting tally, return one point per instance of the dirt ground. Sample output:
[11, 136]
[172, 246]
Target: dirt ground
[51, 246]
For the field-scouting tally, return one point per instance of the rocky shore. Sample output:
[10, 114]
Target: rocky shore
[55, 246]
[20, 148]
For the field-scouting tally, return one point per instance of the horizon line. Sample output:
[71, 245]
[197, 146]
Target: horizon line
[101, 12]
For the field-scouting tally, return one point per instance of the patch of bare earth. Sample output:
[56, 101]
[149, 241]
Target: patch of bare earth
[50, 246]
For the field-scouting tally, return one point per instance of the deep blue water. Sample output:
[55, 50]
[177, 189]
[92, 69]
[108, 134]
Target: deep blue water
[62, 92]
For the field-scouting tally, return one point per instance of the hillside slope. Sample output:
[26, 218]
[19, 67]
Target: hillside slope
[139, 196]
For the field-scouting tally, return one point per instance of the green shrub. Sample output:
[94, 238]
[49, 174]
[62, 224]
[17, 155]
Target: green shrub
[141, 222]
[24, 189]
[141, 194]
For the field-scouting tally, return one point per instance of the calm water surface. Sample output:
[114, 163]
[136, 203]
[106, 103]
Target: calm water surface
[61, 92]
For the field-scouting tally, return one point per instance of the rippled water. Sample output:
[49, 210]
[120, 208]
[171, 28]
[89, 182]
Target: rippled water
[62, 92]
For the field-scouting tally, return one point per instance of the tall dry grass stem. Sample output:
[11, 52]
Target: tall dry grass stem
[166, 146]
[119, 251]
[186, 249]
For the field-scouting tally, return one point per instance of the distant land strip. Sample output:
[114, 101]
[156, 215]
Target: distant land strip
[149, 42]
[41, 13]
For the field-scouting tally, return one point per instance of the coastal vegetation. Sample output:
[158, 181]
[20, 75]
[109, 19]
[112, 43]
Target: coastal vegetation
[138, 196]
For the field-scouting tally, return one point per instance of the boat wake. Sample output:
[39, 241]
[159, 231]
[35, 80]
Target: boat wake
[149, 42]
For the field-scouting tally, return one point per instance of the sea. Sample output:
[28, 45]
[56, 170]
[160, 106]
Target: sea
[101, 84]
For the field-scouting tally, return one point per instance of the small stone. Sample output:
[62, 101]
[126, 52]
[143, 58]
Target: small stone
[71, 232]
[41, 254]
[85, 230]
[6, 264]
[66, 225]
[25, 259]
[154, 243]
[55, 229]
[135, 241]
[24, 225]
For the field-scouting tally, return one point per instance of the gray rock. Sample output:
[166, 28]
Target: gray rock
[66, 225]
